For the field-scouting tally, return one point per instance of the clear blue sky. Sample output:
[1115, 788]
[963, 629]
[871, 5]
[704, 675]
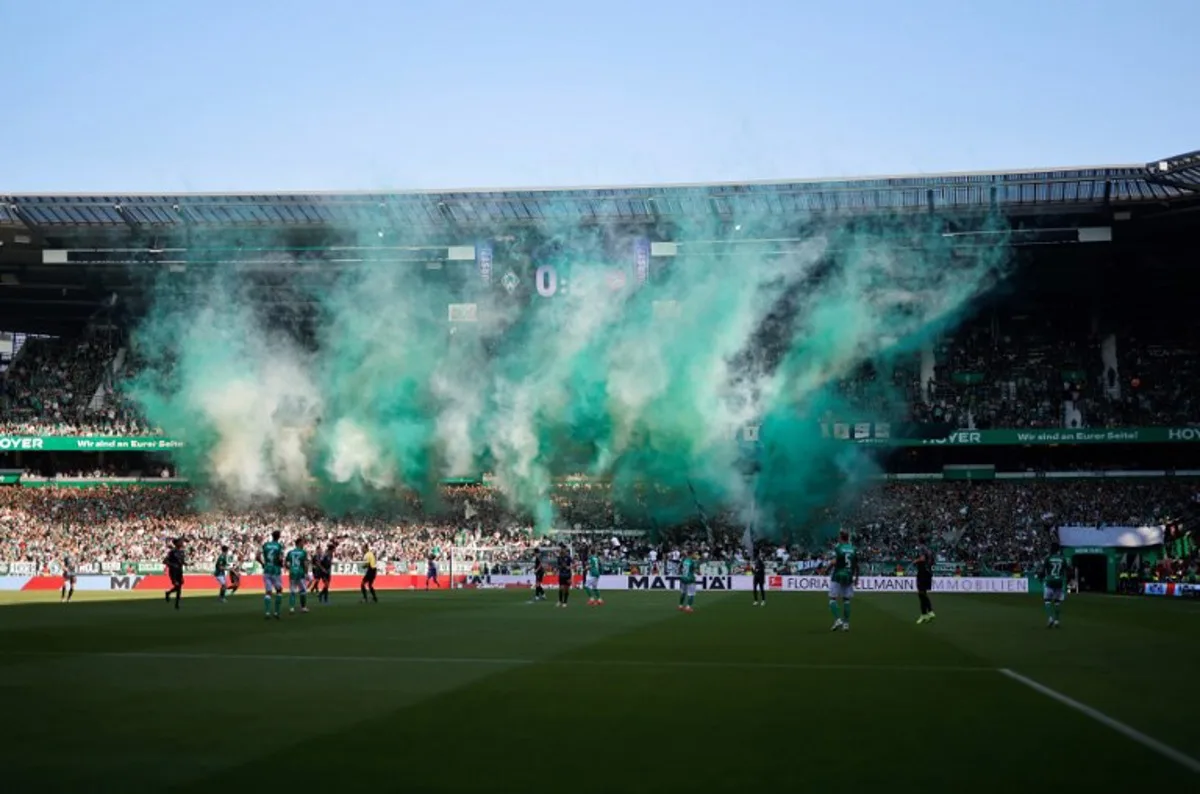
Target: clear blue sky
[273, 95]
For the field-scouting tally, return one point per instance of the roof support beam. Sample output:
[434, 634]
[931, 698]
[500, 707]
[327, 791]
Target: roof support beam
[23, 217]
[125, 216]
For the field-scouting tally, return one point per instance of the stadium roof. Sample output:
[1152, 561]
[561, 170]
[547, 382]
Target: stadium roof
[1015, 192]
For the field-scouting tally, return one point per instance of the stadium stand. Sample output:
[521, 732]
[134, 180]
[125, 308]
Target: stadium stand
[1076, 341]
[50, 385]
[985, 375]
[997, 526]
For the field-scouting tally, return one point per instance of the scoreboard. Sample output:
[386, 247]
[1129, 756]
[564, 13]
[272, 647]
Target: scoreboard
[563, 273]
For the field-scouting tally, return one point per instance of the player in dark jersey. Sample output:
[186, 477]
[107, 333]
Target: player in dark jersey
[564, 566]
[431, 573]
[924, 563]
[323, 567]
[314, 584]
[235, 577]
[68, 585]
[174, 563]
[760, 581]
[539, 574]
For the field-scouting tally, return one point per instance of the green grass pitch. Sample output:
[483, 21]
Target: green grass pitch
[479, 690]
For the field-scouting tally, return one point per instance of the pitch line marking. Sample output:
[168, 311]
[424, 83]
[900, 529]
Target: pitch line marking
[1148, 742]
[502, 661]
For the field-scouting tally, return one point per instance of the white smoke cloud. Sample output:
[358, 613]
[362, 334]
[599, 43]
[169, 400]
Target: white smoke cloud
[391, 398]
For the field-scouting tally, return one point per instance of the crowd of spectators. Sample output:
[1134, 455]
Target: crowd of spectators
[996, 523]
[1016, 372]
[1005, 521]
[103, 523]
[49, 388]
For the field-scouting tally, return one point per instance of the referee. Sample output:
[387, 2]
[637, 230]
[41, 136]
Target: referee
[924, 563]
[760, 581]
[368, 580]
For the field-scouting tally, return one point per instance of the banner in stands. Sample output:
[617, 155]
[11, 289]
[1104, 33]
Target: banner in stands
[1176, 589]
[657, 582]
[86, 444]
[879, 433]
[205, 567]
[816, 584]
[206, 583]
[905, 584]
[801, 584]
[858, 433]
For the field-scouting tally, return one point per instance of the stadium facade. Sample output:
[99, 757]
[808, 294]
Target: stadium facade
[64, 260]
[1108, 248]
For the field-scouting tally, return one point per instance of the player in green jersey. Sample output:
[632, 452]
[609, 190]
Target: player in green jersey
[842, 579]
[687, 583]
[592, 582]
[221, 569]
[1055, 570]
[297, 565]
[271, 560]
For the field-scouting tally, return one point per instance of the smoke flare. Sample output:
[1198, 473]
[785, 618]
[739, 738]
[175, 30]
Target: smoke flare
[367, 388]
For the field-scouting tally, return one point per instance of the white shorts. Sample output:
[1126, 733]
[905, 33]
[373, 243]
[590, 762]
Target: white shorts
[1051, 594]
[592, 583]
[273, 582]
[220, 577]
[837, 590]
[688, 589]
[297, 584]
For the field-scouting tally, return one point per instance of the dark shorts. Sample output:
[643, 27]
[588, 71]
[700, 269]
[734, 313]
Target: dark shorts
[924, 582]
[564, 580]
[176, 577]
[760, 579]
[539, 576]
[68, 578]
[369, 578]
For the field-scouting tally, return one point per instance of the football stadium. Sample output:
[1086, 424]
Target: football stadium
[393, 489]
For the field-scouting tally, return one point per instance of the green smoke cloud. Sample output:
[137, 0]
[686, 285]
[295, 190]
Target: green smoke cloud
[349, 386]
